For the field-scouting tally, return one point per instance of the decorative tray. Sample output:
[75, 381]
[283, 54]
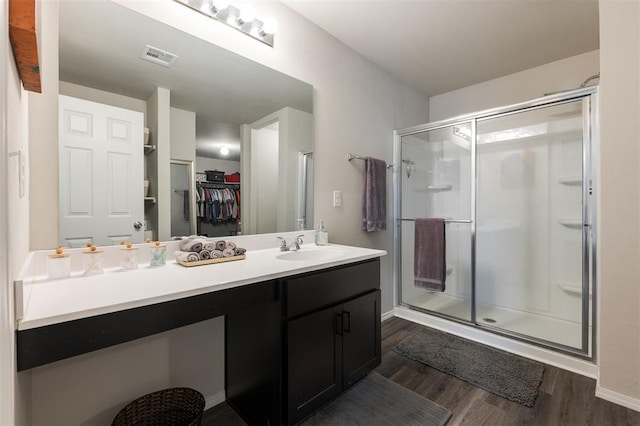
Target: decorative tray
[211, 261]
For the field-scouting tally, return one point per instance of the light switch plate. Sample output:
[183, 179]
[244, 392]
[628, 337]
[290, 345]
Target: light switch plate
[337, 198]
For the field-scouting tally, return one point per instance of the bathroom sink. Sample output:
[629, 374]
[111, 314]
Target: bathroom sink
[312, 254]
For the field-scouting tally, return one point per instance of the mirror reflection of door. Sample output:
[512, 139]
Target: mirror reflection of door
[271, 150]
[182, 204]
[264, 178]
[101, 163]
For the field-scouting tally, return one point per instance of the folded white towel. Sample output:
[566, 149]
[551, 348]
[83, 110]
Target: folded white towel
[193, 245]
[240, 251]
[209, 245]
[231, 245]
[216, 254]
[187, 256]
[204, 254]
[228, 253]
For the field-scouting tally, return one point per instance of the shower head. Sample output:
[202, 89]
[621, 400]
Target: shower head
[584, 84]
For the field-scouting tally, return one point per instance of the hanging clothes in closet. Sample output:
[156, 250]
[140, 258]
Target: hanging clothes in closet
[217, 204]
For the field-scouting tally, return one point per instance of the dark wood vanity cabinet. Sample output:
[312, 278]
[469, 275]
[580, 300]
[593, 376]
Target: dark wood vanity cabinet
[328, 351]
[321, 336]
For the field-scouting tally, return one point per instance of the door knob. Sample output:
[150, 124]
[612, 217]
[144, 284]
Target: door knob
[137, 225]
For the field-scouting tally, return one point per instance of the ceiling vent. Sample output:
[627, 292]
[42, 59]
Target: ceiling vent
[158, 56]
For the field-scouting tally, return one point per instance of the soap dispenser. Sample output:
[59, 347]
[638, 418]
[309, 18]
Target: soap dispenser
[322, 236]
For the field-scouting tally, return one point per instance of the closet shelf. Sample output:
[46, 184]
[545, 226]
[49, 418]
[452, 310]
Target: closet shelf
[571, 180]
[440, 188]
[148, 149]
[570, 223]
[151, 200]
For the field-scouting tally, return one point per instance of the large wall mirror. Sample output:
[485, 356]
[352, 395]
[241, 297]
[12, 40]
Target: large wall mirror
[229, 147]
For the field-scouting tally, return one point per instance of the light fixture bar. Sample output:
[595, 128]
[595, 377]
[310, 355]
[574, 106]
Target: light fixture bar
[241, 19]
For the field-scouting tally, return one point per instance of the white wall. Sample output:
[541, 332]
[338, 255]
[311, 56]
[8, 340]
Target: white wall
[356, 108]
[619, 224]
[533, 83]
[13, 136]
[264, 206]
[183, 135]
[7, 349]
[43, 135]
[229, 167]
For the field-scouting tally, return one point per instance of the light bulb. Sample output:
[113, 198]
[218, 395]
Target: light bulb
[224, 151]
[247, 13]
[270, 26]
[218, 5]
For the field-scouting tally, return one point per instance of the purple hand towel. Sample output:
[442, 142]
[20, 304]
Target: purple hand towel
[374, 201]
[429, 263]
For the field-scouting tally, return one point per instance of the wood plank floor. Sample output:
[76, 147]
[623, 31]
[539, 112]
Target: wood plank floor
[565, 398]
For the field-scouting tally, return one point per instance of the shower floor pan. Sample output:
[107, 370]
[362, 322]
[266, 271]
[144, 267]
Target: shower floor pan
[543, 327]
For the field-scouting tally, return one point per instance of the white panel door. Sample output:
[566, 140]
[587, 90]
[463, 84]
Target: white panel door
[101, 173]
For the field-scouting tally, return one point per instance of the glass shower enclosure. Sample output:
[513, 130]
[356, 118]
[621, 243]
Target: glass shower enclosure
[514, 188]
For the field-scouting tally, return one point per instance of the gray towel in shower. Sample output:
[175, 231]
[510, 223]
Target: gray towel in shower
[429, 263]
[374, 200]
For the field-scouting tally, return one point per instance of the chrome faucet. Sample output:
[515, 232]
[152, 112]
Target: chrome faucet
[294, 246]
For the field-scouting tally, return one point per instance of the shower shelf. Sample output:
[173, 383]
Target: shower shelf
[440, 188]
[572, 289]
[571, 180]
[571, 223]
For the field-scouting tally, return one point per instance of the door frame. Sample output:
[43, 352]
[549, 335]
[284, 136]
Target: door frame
[192, 188]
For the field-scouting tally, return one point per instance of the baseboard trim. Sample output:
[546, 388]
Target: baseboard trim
[387, 315]
[215, 399]
[566, 362]
[618, 398]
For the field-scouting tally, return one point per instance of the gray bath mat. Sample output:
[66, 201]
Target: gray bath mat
[378, 401]
[501, 373]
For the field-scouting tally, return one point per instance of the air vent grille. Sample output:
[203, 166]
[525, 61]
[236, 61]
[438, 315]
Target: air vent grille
[158, 56]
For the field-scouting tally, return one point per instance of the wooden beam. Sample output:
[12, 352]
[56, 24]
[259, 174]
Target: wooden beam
[22, 33]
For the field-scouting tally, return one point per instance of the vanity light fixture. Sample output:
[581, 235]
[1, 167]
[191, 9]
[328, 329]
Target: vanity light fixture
[241, 18]
[247, 14]
[224, 151]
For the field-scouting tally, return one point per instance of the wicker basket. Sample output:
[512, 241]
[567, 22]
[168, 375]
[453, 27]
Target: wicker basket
[168, 407]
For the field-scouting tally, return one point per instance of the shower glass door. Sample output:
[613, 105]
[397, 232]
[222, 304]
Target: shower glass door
[436, 178]
[531, 223]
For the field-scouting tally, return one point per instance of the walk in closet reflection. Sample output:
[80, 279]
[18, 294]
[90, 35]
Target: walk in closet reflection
[218, 209]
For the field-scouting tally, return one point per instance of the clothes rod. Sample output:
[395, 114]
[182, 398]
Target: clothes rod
[358, 157]
[446, 220]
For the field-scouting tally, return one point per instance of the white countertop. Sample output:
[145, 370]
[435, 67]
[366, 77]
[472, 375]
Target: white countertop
[53, 302]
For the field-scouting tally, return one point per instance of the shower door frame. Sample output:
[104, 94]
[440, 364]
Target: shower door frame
[589, 97]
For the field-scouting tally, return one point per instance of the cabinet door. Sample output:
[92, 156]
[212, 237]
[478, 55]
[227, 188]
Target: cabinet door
[361, 337]
[314, 358]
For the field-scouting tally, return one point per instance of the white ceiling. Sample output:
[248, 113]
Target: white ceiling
[442, 45]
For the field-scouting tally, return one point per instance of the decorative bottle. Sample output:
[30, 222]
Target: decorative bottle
[322, 236]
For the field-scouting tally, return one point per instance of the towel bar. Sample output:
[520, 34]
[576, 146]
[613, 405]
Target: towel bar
[358, 157]
[446, 220]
